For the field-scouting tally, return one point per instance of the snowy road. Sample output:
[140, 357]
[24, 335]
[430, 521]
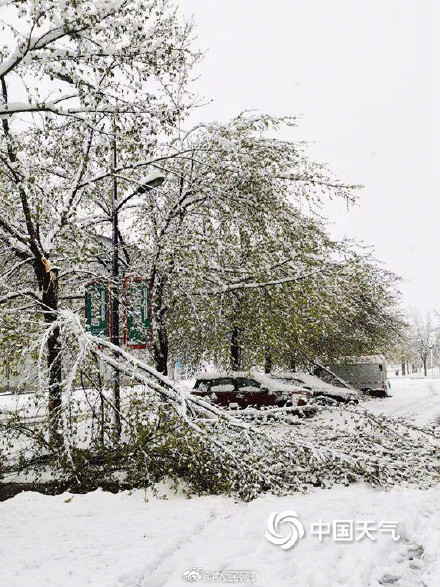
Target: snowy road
[136, 539]
[418, 400]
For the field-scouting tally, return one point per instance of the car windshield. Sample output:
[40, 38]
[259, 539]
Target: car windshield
[216, 384]
[246, 384]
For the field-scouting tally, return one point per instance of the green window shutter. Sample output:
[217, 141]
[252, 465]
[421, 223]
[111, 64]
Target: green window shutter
[97, 309]
[138, 312]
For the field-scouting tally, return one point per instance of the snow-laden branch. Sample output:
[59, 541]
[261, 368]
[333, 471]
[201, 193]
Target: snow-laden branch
[260, 284]
[11, 108]
[137, 369]
[316, 180]
[257, 450]
[24, 54]
[13, 295]
[69, 202]
[9, 272]
[14, 233]
[130, 166]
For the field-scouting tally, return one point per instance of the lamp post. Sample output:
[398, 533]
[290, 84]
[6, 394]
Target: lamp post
[114, 338]
[145, 186]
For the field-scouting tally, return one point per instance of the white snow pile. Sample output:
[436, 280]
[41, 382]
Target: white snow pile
[135, 539]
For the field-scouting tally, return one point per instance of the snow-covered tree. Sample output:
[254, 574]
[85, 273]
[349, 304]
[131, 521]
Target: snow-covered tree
[422, 336]
[239, 257]
[228, 220]
[75, 75]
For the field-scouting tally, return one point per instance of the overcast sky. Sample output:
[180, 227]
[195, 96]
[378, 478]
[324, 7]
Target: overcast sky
[361, 75]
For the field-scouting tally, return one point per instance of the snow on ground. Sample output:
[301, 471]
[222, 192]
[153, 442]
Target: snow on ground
[136, 539]
[123, 540]
[416, 399]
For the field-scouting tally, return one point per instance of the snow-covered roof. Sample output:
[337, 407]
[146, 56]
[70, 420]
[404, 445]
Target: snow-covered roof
[316, 384]
[359, 360]
[268, 381]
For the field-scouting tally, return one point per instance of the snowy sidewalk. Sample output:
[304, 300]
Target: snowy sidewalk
[102, 539]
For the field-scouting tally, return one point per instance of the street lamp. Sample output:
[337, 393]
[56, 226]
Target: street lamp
[145, 185]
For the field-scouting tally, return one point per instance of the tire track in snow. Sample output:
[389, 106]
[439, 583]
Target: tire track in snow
[153, 575]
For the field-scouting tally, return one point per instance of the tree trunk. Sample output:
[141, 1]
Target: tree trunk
[403, 368]
[292, 361]
[54, 362]
[55, 390]
[160, 330]
[425, 372]
[267, 361]
[235, 349]
[160, 350]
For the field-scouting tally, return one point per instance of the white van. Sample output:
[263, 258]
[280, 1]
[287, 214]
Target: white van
[367, 374]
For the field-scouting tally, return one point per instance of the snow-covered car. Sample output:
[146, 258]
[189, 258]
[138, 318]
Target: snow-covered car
[318, 388]
[244, 389]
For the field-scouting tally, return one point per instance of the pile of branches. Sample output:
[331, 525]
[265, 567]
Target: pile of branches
[170, 433]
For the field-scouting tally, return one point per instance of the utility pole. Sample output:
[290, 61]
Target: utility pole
[115, 289]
